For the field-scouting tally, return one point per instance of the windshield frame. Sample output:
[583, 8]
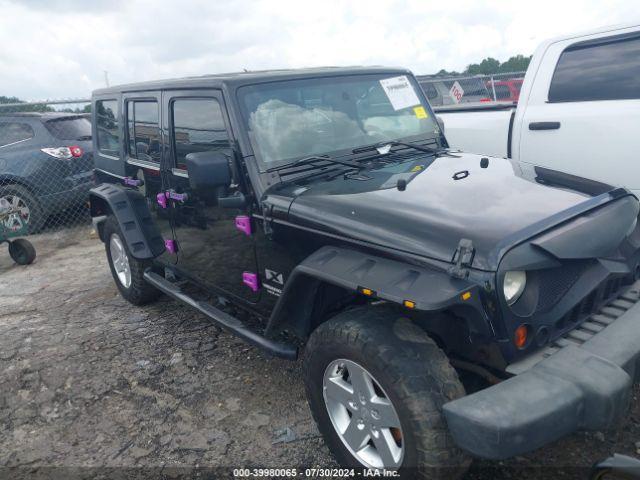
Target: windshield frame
[265, 167]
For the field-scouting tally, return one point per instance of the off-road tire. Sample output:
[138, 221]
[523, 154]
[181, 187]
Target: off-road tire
[139, 292]
[411, 369]
[37, 216]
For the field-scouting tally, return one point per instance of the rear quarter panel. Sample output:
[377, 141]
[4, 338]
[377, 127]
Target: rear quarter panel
[25, 164]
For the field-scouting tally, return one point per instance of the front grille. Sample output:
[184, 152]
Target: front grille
[612, 286]
[619, 302]
[587, 306]
[554, 283]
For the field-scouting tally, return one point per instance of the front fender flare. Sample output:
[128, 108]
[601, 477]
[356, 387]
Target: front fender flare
[391, 280]
[130, 209]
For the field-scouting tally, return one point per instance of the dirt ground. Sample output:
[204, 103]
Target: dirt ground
[90, 384]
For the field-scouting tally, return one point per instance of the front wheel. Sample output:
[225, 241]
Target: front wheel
[376, 384]
[127, 271]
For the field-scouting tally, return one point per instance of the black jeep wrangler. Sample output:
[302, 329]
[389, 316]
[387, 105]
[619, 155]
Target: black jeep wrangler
[446, 303]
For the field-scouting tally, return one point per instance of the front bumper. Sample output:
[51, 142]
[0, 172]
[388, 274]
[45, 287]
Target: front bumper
[586, 384]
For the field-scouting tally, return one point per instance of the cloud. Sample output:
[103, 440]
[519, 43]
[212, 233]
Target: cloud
[72, 5]
[61, 48]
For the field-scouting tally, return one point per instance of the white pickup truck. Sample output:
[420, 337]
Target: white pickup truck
[578, 112]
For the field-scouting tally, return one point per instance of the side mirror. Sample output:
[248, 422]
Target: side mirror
[208, 170]
[440, 123]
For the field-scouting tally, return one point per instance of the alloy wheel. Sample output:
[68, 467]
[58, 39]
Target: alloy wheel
[120, 260]
[362, 415]
[21, 212]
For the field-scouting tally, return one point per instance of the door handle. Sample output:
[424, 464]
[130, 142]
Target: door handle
[544, 125]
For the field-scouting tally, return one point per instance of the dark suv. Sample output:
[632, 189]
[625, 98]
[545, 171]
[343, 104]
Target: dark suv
[46, 163]
[446, 303]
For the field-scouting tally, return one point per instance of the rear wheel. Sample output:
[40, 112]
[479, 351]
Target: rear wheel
[27, 208]
[127, 271]
[376, 384]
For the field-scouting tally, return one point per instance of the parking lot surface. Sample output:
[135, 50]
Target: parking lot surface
[88, 381]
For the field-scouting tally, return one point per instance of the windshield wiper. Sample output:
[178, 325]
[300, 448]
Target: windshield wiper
[314, 159]
[382, 149]
[83, 137]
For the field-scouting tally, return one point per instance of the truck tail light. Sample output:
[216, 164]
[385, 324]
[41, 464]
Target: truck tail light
[76, 151]
[64, 152]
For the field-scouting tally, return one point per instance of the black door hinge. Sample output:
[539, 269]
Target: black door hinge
[463, 257]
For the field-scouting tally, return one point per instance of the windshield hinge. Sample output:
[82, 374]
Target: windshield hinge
[267, 217]
[463, 257]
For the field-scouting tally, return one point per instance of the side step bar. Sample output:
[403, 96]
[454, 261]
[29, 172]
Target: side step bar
[222, 319]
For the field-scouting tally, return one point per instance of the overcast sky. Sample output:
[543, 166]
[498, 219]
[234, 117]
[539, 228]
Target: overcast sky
[61, 48]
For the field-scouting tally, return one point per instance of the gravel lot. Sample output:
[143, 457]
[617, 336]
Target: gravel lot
[89, 381]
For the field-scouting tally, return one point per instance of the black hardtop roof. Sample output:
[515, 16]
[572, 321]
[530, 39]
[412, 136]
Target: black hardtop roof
[237, 79]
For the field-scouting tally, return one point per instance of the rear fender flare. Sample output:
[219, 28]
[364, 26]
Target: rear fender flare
[130, 209]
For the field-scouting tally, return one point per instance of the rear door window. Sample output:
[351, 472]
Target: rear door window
[14, 132]
[69, 128]
[605, 71]
[108, 133]
[143, 128]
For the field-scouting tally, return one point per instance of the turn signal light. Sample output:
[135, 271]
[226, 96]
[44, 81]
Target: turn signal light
[520, 336]
[409, 304]
[367, 291]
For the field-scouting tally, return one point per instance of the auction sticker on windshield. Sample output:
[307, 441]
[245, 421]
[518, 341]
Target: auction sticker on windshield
[420, 112]
[400, 92]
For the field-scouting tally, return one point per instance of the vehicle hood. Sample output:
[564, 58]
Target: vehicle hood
[429, 218]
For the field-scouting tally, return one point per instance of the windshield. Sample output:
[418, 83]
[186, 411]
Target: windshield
[291, 119]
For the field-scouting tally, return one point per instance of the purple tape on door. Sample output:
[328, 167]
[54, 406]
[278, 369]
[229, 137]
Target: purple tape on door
[178, 197]
[132, 182]
[251, 280]
[171, 246]
[243, 223]
[162, 200]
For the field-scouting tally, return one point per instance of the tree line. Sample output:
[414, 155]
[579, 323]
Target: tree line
[491, 66]
[42, 107]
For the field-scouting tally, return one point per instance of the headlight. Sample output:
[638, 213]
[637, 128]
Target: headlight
[513, 285]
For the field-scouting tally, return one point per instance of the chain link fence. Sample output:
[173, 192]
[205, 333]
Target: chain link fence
[451, 90]
[46, 165]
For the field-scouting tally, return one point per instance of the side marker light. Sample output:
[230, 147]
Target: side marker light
[367, 291]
